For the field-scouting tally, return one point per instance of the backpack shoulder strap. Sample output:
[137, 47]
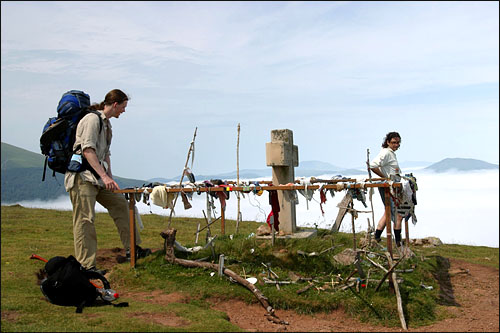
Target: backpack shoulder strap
[96, 276]
[100, 125]
[98, 114]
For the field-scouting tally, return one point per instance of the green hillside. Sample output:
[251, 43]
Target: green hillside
[15, 157]
[22, 172]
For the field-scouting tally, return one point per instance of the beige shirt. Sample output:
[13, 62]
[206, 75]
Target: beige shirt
[88, 136]
[387, 162]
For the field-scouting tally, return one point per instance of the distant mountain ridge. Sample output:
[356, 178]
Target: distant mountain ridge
[461, 164]
[21, 173]
[305, 169]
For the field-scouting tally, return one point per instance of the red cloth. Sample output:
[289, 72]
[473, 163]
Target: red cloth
[269, 221]
[322, 196]
[222, 197]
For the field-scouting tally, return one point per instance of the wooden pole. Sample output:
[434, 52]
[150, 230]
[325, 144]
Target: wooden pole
[398, 295]
[222, 219]
[352, 221]
[209, 234]
[343, 205]
[131, 206]
[197, 233]
[238, 178]
[258, 188]
[388, 228]
[191, 148]
[370, 194]
[388, 274]
[407, 234]
[273, 234]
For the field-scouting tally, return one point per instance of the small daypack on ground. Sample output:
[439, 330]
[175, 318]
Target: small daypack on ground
[58, 135]
[67, 284]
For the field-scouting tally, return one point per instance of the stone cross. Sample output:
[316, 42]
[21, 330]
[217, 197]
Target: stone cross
[282, 155]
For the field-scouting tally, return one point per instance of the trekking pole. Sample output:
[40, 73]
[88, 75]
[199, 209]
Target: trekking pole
[371, 194]
[238, 178]
[36, 256]
[191, 149]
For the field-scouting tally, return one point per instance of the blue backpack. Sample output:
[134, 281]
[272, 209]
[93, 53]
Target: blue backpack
[58, 135]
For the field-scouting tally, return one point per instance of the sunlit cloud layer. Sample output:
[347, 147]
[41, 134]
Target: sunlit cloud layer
[459, 208]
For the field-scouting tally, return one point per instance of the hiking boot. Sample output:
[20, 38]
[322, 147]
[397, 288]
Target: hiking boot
[139, 252]
[378, 239]
[100, 271]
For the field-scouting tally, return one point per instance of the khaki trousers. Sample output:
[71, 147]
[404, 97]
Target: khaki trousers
[83, 196]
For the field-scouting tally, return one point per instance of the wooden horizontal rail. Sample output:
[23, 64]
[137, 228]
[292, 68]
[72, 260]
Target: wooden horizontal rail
[248, 189]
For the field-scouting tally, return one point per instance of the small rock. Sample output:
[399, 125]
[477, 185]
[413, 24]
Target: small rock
[434, 241]
[263, 230]
[346, 257]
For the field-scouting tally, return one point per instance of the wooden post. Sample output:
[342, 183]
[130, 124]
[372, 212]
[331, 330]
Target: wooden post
[343, 205]
[221, 265]
[388, 220]
[209, 233]
[371, 195]
[398, 295]
[191, 148]
[388, 227]
[238, 214]
[222, 220]
[273, 233]
[407, 232]
[197, 233]
[353, 231]
[131, 206]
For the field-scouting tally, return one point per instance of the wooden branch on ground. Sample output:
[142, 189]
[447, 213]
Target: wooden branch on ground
[350, 275]
[389, 271]
[269, 281]
[376, 264]
[371, 252]
[208, 225]
[398, 295]
[169, 236]
[306, 288]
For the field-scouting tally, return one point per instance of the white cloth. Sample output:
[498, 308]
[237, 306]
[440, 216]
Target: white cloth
[160, 197]
[387, 162]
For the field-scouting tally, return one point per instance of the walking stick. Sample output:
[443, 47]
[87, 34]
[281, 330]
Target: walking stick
[238, 178]
[371, 194]
[191, 149]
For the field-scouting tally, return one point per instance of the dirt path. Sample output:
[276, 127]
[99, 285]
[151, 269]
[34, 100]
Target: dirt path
[475, 289]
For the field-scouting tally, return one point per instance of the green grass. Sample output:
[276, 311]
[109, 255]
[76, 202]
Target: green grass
[49, 233]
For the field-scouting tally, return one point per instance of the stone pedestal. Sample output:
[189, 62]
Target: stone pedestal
[282, 155]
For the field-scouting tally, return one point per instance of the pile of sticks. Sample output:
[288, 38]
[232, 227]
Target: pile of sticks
[169, 236]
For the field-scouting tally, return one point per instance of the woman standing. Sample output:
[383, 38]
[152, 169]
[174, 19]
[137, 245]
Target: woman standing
[385, 165]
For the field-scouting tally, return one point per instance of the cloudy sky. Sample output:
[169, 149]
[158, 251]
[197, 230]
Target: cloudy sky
[340, 75]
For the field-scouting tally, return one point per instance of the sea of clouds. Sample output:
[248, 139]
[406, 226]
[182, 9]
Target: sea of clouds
[458, 208]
